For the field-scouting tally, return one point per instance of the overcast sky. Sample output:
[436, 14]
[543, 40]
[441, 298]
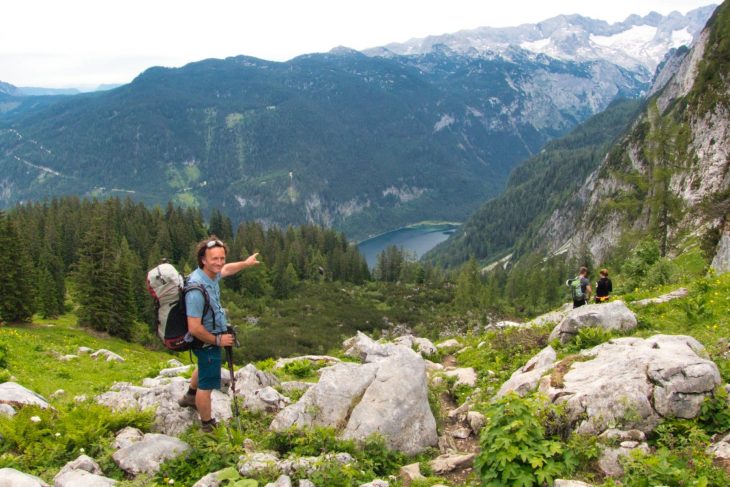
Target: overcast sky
[84, 43]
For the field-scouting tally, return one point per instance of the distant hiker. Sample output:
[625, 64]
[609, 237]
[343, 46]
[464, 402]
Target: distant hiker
[211, 329]
[580, 288]
[603, 287]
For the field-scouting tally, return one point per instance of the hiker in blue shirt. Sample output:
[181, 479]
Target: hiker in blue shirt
[580, 287]
[211, 328]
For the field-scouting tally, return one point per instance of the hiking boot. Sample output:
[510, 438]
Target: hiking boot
[208, 426]
[187, 401]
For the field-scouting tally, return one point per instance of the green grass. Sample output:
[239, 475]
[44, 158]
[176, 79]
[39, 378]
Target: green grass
[33, 352]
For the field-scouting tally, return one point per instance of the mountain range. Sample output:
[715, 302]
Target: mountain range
[662, 173]
[361, 142]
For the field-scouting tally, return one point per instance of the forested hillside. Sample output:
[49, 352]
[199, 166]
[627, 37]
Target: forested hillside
[363, 144]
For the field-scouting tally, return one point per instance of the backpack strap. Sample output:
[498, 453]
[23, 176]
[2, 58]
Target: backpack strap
[206, 307]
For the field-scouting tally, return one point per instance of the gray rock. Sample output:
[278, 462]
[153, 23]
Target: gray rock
[610, 463]
[409, 473]
[210, 480]
[525, 379]
[17, 396]
[82, 350]
[266, 399]
[395, 405]
[145, 456]
[552, 317]
[376, 483]
[461, 433]
[173, 362]
[68, 358]
[174, 371]
[366, 349]
[721, 261]
[570, 483]
[388, 397]
[424, 346]
[294, 385]
[83, 462]
[163, 394]
[126, 437]
[306, 483]
[282, 481]
[253, 464]
[451, 343]
[632, 383]
[108, 355]
[9, 477]
[476, 421]
[720, 451]
[664, 298]
[613, 315]
[450, 462]
[81, 478]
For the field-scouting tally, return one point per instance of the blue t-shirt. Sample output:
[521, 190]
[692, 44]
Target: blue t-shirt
[195, 302]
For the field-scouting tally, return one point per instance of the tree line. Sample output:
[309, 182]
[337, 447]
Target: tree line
[99, 252]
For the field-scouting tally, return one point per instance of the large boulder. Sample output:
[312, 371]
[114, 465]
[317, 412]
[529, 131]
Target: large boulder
[15, 395]
[145, 456]
[613, 315]
[388, 396]
[632, 383]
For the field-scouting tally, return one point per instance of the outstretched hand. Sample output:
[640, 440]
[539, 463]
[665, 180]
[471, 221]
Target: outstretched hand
[252, 259]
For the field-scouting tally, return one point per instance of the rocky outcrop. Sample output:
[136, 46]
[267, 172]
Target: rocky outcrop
[146, 455]
[525, 379]
[424, 346]
[634, 383]
[664, 298]
[721, 261]
[108, 355]
[720, 451]
[388, 395]
[17, 396]
[613, 315]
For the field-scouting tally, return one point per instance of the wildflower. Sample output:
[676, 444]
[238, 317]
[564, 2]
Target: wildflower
[35, 419]
[81, 450]
[58, 434]
[171, 481]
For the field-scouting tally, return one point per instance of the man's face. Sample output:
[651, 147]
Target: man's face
[214, 259]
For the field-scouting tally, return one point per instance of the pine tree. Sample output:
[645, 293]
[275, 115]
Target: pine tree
[17, 297]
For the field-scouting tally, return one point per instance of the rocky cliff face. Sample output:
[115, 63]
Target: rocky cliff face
[669, 175]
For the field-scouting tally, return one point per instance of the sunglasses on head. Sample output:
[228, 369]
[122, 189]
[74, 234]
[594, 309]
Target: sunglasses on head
[214, 243]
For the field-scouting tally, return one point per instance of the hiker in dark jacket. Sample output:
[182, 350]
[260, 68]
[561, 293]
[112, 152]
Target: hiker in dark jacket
[603, 287]
[211, 328]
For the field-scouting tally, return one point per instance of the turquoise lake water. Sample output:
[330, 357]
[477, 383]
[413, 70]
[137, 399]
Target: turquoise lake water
[419, 239]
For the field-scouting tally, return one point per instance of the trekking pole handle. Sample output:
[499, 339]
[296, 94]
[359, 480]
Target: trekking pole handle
[232, 331]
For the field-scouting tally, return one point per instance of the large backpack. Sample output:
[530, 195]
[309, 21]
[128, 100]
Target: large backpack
[576, 289]
[168, 288]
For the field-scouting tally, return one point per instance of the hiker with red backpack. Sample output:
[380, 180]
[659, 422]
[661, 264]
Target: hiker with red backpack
[206, 321]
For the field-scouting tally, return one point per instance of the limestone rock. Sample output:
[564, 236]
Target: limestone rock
[306, 483]
[553, 317]
[409, 473]
[720, 451]
[174, 371]
[9, 477]
[282, 481]
[721, 261]
[476, 421]
[294, 385]
[424, 346]
[609, 462]
[451, 343]
[81, 478]
[525, 379]
[266, 399]
[173, 362]
[83, 462]
[633, 382]
[389, 397]
[570, 483]
[82, 350]
[7, 410]
[461, 433]
[127, 436]
[108, 354]
[17, 396]
[366, 349]
[376, 483]
[664, 298]
[449, 462]
[68, 358]
[613, 315]
[145, 456]
[252, 464]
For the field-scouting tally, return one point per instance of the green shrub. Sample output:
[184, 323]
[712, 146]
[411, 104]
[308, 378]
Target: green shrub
[715, 412]
[299, 368]
[514, 447]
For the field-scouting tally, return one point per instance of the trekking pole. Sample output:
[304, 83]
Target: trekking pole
[229, 358]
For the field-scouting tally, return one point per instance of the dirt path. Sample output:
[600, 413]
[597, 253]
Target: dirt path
[455, 426]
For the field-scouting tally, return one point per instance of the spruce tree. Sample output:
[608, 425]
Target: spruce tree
[17, 297]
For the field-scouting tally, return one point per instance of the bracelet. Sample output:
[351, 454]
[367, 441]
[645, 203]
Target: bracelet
[217, 340]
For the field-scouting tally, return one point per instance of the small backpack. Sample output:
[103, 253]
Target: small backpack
[168, 288]
[576, 289]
